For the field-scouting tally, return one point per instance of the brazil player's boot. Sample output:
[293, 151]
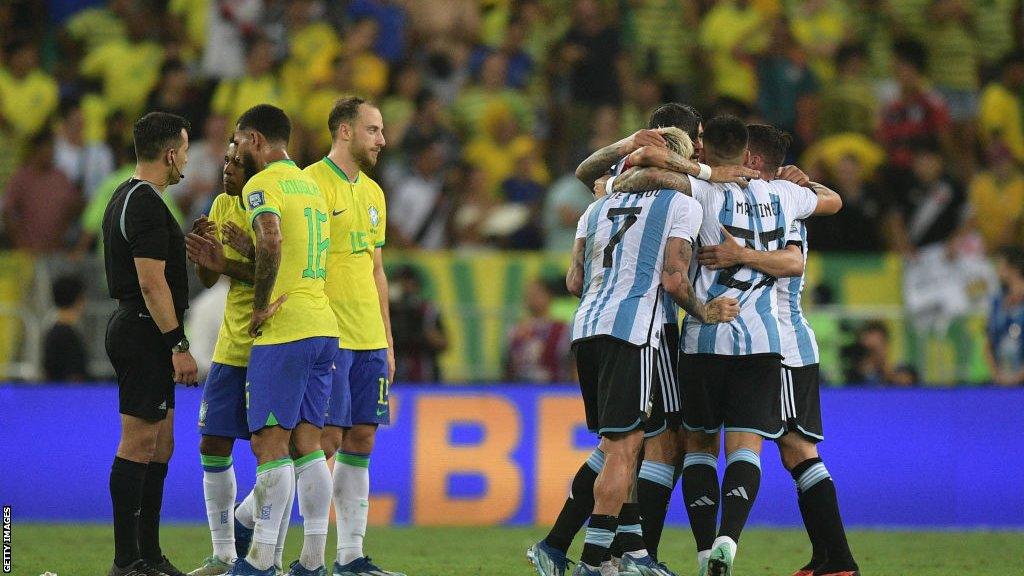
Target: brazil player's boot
[547, 560]
[723, 552]
[297, 569]
[212, 566]
[363, 566]
[243, 568]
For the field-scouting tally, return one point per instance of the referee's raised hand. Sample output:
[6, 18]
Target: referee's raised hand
[185, 370]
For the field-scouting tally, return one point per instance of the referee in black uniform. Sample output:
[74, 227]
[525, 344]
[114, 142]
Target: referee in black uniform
[144, 253]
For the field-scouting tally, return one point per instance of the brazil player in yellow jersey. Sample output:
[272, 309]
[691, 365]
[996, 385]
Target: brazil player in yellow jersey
[222, 412]
[358, 290]
[295, 341]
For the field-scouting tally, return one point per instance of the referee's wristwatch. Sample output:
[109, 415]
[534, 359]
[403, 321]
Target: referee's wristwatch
[181, 346]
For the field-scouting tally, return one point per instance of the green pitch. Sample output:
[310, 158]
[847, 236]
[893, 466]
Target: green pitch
[85, 550]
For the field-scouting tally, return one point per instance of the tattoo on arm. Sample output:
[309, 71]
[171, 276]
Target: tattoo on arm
[244, 271]
[685, 296]
[598, 163]
[268, 258]
[637, 179]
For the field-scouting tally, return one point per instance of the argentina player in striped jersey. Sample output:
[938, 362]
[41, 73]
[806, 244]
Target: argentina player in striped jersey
[637, 539]
[628, 248]
[731, 373]
[801, 409]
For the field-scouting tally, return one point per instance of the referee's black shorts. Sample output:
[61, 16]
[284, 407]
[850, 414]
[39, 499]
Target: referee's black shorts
[142, 361]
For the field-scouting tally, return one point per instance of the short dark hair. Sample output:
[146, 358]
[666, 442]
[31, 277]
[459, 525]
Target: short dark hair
[725, 136]
[911, 52]
[682, 116]
[156, 132]
[268, 120]
[66, 290]
[874, 326]
[345, 110]
[769, 143]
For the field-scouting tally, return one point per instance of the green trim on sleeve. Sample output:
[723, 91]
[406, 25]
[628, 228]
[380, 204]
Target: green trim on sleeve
[263, 210]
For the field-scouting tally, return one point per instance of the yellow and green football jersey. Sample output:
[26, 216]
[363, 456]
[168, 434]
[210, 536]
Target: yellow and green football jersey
[283, 189]
[233, 340]
[358, 221]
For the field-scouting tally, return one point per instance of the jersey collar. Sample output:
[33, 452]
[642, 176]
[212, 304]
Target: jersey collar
[283, 160]
[340, 172]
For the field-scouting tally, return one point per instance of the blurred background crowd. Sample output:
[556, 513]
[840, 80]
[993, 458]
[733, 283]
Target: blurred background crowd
[911, 109]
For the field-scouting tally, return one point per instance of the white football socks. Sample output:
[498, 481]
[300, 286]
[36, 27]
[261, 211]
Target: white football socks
[219, 492]
[313, 485]
[351, 503]
[274, 491]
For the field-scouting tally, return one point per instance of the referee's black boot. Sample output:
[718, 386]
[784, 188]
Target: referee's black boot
[137, 568]
[164, 566]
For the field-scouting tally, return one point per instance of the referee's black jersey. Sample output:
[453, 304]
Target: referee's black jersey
[137, 224]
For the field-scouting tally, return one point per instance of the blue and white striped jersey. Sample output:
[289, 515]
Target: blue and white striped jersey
[668, 304]
[759, 216]
[625, 237]
[799, 348]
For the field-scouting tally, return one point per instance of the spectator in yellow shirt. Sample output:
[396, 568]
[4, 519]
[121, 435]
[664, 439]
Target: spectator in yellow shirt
[470, 108]
[258, 86]
[128, 68]
[996, 198]
[733, 32]
[999, 114]
[28, 95]
[499, 145]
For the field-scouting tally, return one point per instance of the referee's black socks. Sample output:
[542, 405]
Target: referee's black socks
[126, 486]
[740, 483]
[578, 505]
[819, 507]
[149, 517]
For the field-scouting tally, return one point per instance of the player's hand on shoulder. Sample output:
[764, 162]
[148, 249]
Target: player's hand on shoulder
[733, 174]
[599, 186]
[727, 253]
[722, 309]
[793, 174]
[647, 137]
[185, 370]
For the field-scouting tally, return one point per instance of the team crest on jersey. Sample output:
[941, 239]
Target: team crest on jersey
[374, 216]
[256, 199]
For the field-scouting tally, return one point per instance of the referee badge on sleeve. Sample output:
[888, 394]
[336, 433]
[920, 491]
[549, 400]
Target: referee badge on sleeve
[256, 199]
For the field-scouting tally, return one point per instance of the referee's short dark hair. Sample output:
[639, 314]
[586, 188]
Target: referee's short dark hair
[268, 120]
[67, 290]
[682, 116]
[769, 143]
[726, 136]
[156, 132]
[345, 110]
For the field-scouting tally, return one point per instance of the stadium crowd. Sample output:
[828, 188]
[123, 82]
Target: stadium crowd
[911, 109]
